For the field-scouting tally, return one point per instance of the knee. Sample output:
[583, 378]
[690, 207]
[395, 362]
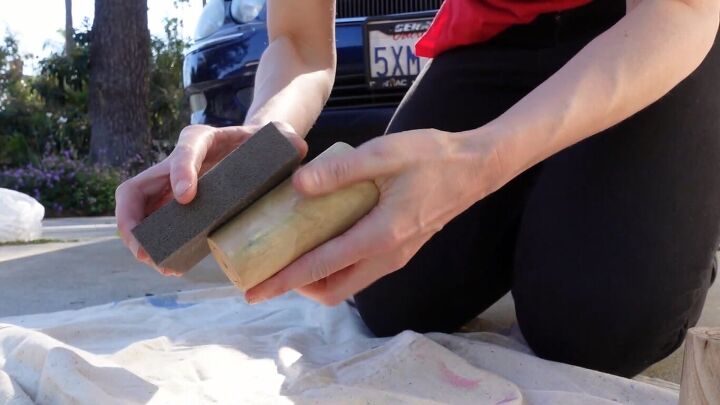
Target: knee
[613, 343]
[386, 314]
[378, 321]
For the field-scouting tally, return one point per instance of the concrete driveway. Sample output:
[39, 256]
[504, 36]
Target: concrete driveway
[90, 267]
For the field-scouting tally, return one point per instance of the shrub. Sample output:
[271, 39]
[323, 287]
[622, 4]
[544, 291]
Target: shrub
[65, 185]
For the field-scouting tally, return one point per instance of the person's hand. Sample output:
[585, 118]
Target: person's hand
[425, 177]
[199, 148]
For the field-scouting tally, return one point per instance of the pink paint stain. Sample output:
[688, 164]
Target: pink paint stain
[456, 380]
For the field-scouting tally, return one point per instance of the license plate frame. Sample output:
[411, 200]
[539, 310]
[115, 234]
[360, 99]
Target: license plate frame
[388, 66]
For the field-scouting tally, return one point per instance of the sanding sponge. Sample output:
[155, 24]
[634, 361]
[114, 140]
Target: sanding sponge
[175, 236]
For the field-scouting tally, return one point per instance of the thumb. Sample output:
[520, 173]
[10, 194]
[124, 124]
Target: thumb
[322, 176]
[187, 158]
[183, 176]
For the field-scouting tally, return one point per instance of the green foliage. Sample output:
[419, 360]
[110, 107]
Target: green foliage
[169, 108]
[43, 114]
[62, 85]
[23, 121]
[12, 85]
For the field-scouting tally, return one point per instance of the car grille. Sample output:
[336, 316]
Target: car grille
[352, 91]
[371, 8]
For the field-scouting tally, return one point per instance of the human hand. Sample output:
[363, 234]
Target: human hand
[199, 148]
[425, 177]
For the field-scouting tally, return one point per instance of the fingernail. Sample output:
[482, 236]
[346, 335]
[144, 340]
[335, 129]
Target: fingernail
[142, 255]
[253, 299]
[181, 188]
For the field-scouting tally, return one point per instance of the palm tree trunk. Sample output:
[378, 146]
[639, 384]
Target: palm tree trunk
[119, 82]
[69, 31]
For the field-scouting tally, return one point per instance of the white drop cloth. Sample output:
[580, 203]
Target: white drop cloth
[208, 346]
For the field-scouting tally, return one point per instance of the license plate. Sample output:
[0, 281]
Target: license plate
[391, 60]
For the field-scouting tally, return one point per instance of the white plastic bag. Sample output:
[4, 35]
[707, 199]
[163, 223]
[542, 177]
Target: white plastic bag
[20, 217]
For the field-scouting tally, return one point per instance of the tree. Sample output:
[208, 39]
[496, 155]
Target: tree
[22, 118]
[69, 31]
[62, 84]
[169, 108]
[118, 88]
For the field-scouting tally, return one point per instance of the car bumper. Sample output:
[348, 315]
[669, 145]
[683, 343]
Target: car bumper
[352, 126]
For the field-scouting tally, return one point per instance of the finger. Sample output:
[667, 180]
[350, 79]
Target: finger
[183, 174]
[365, 239]
[186, 160]
[129, 211]
[166, 272]
[131, 199]
[128, 217]
[369, 162]
[300, 145]
[343, 284]
[143, 256]
[154, 203]
[339, 286]
[293, 137]
[154, 181]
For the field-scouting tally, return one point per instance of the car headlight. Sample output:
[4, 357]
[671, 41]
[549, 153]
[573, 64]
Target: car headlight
[246, 10]
[211, 19]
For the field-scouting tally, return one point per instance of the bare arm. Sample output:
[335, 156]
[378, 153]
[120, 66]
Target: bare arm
[655, 46]
[297, 69]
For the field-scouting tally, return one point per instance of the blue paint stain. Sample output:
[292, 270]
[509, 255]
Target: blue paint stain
[168, 301]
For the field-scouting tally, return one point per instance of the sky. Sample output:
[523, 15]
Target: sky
[38, 24]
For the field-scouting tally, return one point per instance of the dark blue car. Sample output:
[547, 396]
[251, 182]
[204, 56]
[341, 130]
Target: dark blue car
[376, 64]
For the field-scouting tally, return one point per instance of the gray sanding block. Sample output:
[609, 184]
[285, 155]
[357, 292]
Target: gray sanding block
[175, 236]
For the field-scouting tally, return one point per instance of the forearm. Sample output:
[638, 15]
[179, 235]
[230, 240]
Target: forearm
[289, 89]
[633, 64]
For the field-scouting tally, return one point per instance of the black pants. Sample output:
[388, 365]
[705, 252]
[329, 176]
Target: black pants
[607, 247]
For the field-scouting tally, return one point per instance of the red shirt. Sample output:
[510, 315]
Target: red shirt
[464, 22]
